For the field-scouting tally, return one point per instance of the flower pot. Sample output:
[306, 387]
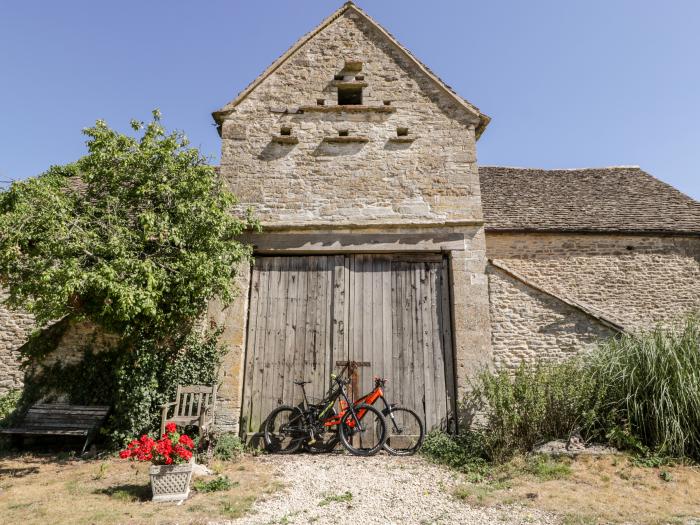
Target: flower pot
[171, 482]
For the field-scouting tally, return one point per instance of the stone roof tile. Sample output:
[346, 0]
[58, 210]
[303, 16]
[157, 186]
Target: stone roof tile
[614, 199]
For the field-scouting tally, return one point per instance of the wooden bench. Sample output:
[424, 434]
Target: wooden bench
[193, 405]
[52, 419]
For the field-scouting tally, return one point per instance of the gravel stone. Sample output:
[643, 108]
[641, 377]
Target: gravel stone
[385, 489]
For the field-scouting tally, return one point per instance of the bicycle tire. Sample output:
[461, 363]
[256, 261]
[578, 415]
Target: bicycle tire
[416, 426]
[346, 430]
[274, 438]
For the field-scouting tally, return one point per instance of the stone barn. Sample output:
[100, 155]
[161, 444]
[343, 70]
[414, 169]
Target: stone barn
[385, 243]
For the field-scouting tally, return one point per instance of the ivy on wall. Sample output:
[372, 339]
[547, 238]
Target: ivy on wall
[134, 380]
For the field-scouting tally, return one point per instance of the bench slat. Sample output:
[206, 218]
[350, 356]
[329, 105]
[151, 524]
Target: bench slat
[67, 410]
[83, 417]
[37, 424]
[44, 431]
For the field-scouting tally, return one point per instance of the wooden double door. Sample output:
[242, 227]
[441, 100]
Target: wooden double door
[308, 312]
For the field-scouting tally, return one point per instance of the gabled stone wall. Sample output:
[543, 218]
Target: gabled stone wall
[313, 176]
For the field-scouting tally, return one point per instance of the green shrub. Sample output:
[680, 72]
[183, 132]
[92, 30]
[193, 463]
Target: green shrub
[639, 392]
[8, 403]
[462, 452]
[537, 403]
[214, 485]
[228, 447]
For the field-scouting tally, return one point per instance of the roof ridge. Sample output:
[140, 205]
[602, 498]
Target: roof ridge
[219, 114]
[621, 166]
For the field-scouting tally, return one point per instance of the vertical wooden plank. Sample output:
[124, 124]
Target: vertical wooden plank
[387, 327]
[426, 325]
[357, 317]
[301, 328]
[321, 318]
[418, 373]
[446, 336]
[409, 342]
[310, 327]
[339, 309]
[376, 357]
[438, 366]
[250, 345]
[260, 344]
[287, 388]
[397, 333]
[281, 354]
[191, 407]
[271, 340]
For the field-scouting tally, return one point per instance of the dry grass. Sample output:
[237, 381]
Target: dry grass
[44, 489]
[590, 490]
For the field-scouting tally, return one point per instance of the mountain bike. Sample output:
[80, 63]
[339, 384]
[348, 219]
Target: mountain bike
[406, 431]
[361, 428]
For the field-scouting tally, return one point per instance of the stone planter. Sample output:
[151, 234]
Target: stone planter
[171, 482]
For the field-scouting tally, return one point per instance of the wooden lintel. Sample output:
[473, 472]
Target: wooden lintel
[330, 242]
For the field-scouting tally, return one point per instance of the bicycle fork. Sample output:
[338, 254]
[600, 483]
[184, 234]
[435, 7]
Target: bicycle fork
[389, 412]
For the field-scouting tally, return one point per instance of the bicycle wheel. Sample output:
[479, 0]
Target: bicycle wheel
[368, 439]
[284, 430]
[405, 431]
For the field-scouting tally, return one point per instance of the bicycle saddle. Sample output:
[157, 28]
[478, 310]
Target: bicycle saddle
[301, 382]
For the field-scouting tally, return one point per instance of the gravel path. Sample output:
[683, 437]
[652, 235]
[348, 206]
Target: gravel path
[384, 489]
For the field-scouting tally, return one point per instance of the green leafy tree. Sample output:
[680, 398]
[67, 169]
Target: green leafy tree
[135, 236]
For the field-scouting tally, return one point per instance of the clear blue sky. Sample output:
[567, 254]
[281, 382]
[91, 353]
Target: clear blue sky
[567, 83]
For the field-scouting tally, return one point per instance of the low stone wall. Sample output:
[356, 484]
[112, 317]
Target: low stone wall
[529, 325]
[15, 327]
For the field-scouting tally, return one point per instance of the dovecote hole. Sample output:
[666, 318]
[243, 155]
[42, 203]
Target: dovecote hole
[349, 96]
[401, 132]
[285, 131]
[343, 132]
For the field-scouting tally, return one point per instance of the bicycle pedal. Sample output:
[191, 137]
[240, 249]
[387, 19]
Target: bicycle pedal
[312, 441]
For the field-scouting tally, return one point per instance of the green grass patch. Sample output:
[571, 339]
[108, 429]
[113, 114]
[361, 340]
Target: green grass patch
[333, 498]
[217, 484]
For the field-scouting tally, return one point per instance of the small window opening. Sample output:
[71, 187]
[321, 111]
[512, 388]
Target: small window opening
[401, 132]
[343, 132]
[320, 102]
[350, 96]
[286, 131]
[387, 102]
[359, 77]
[630, 248]
[339, 76]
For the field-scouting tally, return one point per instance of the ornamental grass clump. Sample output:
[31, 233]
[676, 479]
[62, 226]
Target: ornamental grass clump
[652, 388]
